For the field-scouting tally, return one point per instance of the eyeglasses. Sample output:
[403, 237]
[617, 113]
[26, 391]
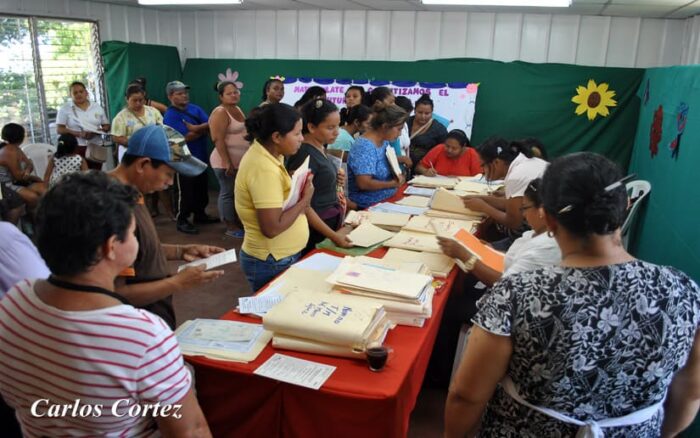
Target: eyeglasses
[525, 208]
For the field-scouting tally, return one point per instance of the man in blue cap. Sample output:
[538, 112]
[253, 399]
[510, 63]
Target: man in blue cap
[155, 154]
[193, 123]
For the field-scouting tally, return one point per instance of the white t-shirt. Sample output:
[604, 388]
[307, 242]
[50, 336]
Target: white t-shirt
[521, 171]
[530, 252]
[76, 119]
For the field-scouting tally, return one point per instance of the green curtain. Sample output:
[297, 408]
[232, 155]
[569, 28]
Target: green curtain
[124, 62]
[515, 99]
[668, 231]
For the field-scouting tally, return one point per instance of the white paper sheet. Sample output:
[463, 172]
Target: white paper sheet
[295, 371]
[213, 261]
[393, 161]
[319, 262]
[259, 304]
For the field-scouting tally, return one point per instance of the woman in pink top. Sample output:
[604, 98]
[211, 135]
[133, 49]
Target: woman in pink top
[227, 127]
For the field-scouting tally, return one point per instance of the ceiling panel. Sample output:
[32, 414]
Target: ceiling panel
[626, 8]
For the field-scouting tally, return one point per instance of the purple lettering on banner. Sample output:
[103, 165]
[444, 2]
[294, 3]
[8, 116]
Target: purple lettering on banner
[443, 92]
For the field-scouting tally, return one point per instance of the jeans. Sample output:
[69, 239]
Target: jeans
[260, 272]
[227, 210]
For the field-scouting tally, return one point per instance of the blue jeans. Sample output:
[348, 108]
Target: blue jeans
[227, 210]
[260, 272]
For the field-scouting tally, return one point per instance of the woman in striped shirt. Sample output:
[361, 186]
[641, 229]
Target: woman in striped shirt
[77, 359]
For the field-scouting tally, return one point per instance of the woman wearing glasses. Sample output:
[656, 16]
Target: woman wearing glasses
[535, 249]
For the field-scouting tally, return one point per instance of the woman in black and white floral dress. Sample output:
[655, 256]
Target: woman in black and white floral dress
[595, 345]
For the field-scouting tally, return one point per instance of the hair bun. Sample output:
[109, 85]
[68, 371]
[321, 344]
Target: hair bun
[598, 213]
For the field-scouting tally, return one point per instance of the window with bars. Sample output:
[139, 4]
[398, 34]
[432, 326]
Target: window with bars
[43, 57]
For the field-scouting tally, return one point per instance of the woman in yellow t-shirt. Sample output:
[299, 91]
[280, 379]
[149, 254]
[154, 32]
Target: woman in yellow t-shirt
[274, 237]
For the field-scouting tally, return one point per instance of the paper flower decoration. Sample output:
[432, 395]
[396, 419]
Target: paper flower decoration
[231, 77]
[594, 100]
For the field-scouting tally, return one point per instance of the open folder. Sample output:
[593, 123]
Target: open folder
[444, 200]
[487, 255]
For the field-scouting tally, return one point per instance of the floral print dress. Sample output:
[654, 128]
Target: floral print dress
[590, 343]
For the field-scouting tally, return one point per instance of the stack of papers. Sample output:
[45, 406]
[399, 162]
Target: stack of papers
[223, 340]
[367, 235]
[388, 207]
[327, 323]
[467, 187]
[434, 181]
[414, 242]
[406, 292]
[439, 265]
[419, 191]
[414, 201]
[388, 221]
[452, 204]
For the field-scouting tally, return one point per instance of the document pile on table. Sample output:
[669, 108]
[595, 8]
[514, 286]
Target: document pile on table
[331, 324]
[223, 340]
[404, 289]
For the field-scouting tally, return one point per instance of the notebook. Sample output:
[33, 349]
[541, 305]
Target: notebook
[297, 187]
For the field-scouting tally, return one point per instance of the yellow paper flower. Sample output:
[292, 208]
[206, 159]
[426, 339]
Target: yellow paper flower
[594, 99]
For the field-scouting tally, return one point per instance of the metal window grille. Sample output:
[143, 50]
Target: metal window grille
[44, 56]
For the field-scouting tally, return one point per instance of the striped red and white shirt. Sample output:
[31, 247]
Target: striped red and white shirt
[112, 358]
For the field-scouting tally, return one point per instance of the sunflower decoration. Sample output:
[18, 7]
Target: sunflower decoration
[594, 99]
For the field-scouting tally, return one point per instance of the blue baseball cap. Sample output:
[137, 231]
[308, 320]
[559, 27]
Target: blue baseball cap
[163, 143]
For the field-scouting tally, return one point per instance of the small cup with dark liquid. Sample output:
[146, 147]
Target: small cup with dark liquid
[376, 357]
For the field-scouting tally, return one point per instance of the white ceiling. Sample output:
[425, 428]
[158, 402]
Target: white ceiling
[626, 8]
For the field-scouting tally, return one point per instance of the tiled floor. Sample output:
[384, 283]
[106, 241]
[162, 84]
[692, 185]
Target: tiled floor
[214, 299]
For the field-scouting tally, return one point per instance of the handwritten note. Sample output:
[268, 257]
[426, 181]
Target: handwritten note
[258, 304]
[213, 261]
[295, 371]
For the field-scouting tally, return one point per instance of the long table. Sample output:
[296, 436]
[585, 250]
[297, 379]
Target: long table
[354, 401]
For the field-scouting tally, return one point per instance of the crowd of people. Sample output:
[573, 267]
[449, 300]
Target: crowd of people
[574, 336]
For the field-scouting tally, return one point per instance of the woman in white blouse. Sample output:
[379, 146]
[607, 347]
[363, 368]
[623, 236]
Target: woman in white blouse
[535, 249]
[82, 118]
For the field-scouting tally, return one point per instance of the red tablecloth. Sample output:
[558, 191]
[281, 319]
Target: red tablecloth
[354, 402]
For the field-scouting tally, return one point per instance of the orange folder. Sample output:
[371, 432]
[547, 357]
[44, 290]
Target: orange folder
[487, 255]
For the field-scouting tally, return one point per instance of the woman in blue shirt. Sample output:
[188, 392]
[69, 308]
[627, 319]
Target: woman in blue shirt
[369, 175]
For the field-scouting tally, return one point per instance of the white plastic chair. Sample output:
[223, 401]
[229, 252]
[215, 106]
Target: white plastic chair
[636, 191]
[40, 154]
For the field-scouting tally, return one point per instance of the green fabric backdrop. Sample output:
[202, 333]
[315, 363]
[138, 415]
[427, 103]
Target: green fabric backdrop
[515, 99]
[124, 62]
[668, 231]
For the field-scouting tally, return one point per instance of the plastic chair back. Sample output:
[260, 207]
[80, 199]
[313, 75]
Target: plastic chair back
[637, 191]
[40, 154]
